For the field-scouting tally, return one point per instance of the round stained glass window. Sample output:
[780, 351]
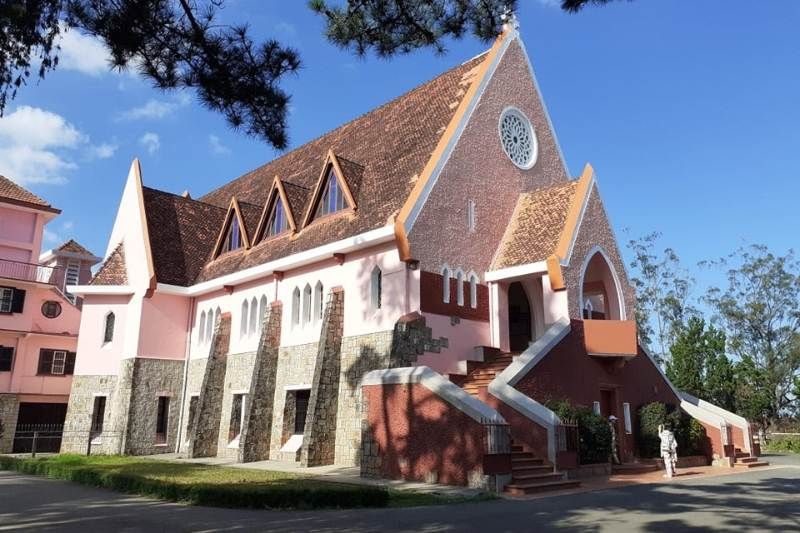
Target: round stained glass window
[51, 309]
[517, 137]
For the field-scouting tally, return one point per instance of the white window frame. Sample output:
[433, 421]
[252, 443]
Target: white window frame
[59, 363]
[253, 329]
[460, 287]
[596, 408]
[9, 299]
[471, 216]
[376, 288]
[243, 319]
[446, 275]
[473, 290]
[626, 414]
[308, 296]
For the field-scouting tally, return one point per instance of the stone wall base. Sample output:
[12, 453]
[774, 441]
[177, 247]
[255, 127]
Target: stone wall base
[9, 408]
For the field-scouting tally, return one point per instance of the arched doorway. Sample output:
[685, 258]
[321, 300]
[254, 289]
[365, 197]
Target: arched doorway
[520, 333]
[600, 294]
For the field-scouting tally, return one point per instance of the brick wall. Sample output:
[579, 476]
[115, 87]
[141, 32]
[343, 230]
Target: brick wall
[431, 301]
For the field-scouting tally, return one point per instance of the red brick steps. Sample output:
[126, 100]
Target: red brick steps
[634, 468]
[522, 489]
[745, 461]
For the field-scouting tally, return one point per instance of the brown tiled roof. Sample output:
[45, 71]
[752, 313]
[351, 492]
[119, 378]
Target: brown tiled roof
[112, 271]
[13, 193]
[73, 247]
[251, 214]
[381, 154]
[182, 234]
[536, 226]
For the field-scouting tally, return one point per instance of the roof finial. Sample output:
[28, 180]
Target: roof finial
[509, 19]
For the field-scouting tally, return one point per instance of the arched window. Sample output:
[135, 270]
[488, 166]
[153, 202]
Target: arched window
[201, 335]
[473, 291]
[332, 197]
[601, 295]
[319, 303]
[262, 312]
[276, 221]
[460, 288]
[209, 325]
[296, 306]
[376, 287]
[233, 239]
[253, 316]
[243, 320]
[108, 331]
[446, 285]
[307, 304]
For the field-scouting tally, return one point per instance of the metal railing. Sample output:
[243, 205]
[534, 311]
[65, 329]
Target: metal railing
[567, 436]
[35, 438]
[497, 438]
[22, 271]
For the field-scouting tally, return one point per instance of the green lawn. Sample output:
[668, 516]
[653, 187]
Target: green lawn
[215, 485]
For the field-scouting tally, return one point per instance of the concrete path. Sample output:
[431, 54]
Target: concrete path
[762, 499]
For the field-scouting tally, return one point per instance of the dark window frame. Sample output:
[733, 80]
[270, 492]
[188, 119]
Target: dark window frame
[108, 327]
[98, 416]
[6, 358]
[47, 359]
[162, 420]
[54, 304]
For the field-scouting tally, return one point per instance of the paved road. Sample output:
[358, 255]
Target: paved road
[764, 499]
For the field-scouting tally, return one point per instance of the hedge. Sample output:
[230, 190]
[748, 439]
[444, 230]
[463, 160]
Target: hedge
[290, 493]
[783, 444]
[593, 431]
[689, 433]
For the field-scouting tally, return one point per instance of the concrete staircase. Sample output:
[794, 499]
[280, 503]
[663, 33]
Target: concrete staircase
[482, 373]
[531, 475]
[744, 460]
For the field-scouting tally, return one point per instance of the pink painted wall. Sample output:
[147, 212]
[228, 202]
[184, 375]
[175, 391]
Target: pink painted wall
[94, 356]
[24, 378]
[462, 340]
[162, 333]
[20, 233]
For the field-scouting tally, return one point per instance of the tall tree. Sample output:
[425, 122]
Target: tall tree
[179, 44]
[662, 293]
[760, 309]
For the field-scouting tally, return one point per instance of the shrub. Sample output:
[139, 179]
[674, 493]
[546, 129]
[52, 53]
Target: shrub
[594, 433]
[783, 444]
[689, 433]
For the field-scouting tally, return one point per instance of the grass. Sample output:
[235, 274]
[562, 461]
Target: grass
[783, 444]
[217, 486]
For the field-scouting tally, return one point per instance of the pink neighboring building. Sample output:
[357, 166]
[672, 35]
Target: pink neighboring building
[38, 321]
[395, 294]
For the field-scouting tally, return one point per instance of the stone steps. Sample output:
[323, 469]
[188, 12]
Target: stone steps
[533, 487]
[634, 468]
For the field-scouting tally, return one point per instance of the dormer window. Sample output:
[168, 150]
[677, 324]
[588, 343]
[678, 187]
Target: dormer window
[276, 222]
[331, 199]
[233, 240]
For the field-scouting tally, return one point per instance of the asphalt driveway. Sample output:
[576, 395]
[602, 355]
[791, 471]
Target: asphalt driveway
[761, 499]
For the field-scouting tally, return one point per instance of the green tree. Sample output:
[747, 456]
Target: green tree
[720, 382]
[179, 44]
[760, 310]
[663, 287]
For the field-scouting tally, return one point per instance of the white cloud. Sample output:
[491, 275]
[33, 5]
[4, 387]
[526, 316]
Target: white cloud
[53, 236]
[83, 53]
[216, 145]
[151, 142]
[103, 150]
[152, 109]
[31, 145]
[36, 128]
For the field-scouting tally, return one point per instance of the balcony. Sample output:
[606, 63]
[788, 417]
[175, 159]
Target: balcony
[610, 338]
[30, 272]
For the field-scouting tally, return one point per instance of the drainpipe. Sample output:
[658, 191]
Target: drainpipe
[181, 413]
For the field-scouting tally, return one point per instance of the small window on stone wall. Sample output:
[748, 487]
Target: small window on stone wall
[98, 416]
[162, 419]
[237, 417]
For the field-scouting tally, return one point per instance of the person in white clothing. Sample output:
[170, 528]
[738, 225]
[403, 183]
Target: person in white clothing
[669, 450]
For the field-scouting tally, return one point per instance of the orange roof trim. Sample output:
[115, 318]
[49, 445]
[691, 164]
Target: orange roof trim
[330, 162]
[585, 184]
[277, 193]
[233, 210]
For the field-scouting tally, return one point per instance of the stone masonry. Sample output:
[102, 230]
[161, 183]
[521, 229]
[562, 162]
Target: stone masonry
[238, 373]
[78, 422]
[254, 444]
[205, 427]
[9, 407]
[319, 437]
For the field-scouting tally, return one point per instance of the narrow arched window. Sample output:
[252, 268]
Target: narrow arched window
[209, 325]
[243, 320]
[460, 288]
[201, 334]
[108, 331]
[253, 316]
[318, 301]
[296, 306]
[376, 287]
[446, 285]
[262, 312]
[473, 291]
[307, 304]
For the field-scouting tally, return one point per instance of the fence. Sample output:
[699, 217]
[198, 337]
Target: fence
[567, 436]
[33, 438]
[497, 438]
[28, 271]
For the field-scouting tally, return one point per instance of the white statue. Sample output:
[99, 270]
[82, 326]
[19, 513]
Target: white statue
[612, 423]
[669, 450]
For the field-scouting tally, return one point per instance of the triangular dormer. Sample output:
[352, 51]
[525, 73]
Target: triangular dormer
[277, 217]
[233, 235]
[332, 193]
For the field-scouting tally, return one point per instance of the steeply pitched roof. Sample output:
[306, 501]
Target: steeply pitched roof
[538, 221]
[182, 234]
[381, 154]
[12, 193]
[112, 271]
[73, 247]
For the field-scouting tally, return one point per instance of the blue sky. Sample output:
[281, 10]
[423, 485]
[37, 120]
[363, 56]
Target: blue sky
[687, 110]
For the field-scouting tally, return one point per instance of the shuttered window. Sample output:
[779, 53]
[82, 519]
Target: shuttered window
[56, 362]
[6, 358]
[12, 300]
